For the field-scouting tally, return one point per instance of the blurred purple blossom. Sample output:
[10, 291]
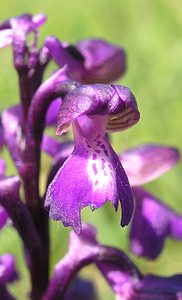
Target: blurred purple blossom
[122, 275]
[26, 22]
[90, 60]
[147, 162]
[159, 221]
[142, 165]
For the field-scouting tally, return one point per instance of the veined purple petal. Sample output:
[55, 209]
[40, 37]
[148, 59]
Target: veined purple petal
[145, 163]
[100, 178]
[115, 101]
[159, 221]
[7, 268]
[103, 62]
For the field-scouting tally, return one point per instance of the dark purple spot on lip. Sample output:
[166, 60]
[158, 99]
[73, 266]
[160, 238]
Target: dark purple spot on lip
[96, 182]
[97, 151]
[98, 143]
[94, 168]
[106, 152]
[94, 157]
[103, 146]
[111, 173]
[88, 145]
[110, 167]
[103, 163]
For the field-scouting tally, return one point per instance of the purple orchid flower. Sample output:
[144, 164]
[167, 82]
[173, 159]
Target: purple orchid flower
[127, 282]
[142, 165]
[92, 110]
[90, 60]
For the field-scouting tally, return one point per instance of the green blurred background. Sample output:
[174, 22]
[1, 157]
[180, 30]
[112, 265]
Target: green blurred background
[150, 32]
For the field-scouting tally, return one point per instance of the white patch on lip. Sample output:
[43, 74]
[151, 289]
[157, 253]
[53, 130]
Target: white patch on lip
[100, 169]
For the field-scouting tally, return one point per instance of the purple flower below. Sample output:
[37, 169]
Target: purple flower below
[84, 250]
[122, 275]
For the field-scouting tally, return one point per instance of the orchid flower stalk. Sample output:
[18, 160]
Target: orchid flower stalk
[79, 95]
